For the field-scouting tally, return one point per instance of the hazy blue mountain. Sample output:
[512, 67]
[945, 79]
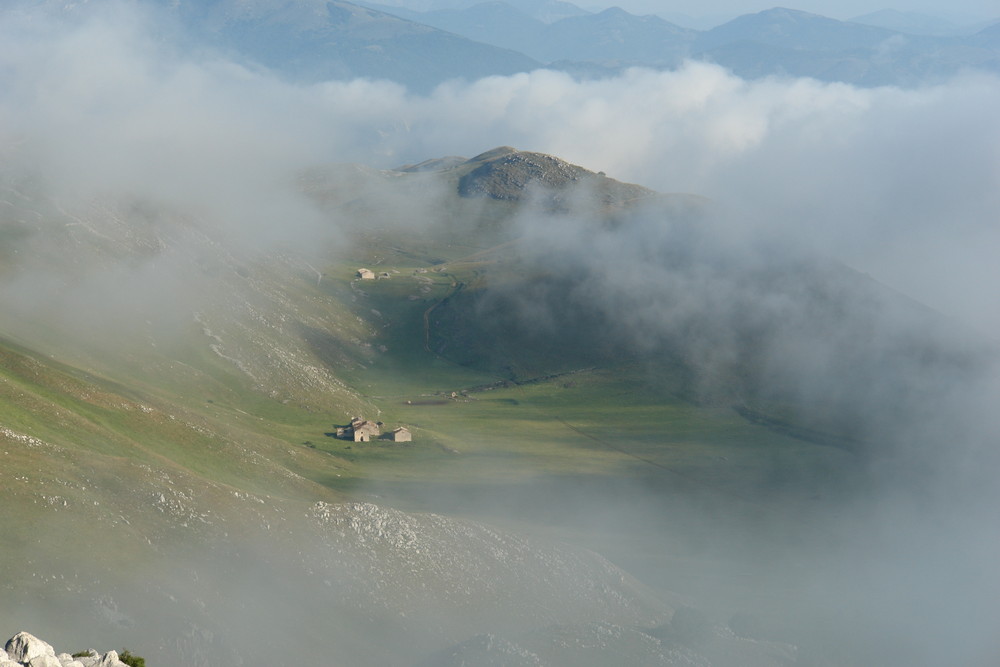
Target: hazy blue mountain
[793, 43]
[325, 40]
[548, 11]
[612, 36]
[313, 40]
[754, 60]
[773, 42]
[616, 35]
[700, 22]
[497, 23]
[914, 23]
[905, 62]
[793, 29]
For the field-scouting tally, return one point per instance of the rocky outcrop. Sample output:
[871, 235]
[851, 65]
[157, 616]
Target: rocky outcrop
[509, 174]
[26, 650]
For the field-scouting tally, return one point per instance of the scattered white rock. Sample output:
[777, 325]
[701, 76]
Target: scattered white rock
[110, 659]
[45, 661]
[26, 650]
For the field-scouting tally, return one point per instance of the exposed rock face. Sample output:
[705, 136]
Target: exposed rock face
[29, 651]
[24, 647]
[507, 173]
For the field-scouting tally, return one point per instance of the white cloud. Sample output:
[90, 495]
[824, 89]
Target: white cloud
[901, 183]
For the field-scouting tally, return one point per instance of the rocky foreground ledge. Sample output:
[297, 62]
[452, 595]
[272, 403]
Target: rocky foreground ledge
[24, 649]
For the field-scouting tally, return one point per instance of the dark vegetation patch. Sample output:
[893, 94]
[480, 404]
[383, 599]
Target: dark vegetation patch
[131, 659]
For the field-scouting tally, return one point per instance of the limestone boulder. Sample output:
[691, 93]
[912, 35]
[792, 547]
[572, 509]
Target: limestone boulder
[25, 647]
[110, 659]
[89, 660]
[45, 661]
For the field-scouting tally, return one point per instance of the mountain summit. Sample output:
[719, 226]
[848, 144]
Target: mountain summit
[510, 174]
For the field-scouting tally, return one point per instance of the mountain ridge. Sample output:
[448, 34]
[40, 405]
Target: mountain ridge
[309, 41]
[776, 41]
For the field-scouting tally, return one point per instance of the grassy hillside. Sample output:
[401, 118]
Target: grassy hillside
[170, 392]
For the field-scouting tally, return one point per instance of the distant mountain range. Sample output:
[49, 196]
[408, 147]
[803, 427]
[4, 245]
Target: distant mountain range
[315, 40]
[880, 48]
[788, 42]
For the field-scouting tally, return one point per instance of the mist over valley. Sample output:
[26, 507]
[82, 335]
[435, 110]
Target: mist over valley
[698, 364]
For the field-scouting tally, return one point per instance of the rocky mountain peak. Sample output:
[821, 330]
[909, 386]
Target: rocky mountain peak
[509, 174]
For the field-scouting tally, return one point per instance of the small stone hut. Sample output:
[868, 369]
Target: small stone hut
[366, 274]
[401, 434]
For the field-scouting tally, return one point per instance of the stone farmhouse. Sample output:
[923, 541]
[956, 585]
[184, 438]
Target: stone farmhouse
[363, 430]
[360, 430]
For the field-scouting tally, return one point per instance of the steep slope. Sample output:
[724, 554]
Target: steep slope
[124, 521]
[153, 294]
